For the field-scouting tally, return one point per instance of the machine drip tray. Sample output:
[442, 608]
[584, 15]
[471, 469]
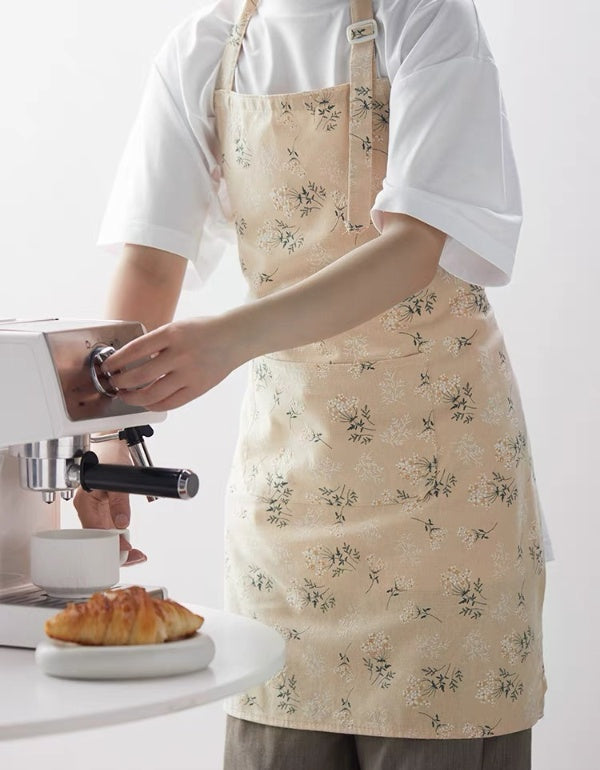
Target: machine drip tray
[24, 612]
[35, 597]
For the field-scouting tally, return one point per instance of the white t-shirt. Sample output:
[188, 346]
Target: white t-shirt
[450, 160]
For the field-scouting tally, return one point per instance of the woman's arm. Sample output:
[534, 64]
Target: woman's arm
[353, 289]
[146, 286]
[190, 357]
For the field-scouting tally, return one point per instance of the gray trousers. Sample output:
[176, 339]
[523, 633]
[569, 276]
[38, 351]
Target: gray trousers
[253, 746]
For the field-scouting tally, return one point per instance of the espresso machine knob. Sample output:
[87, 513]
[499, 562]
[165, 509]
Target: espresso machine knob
[97, 357]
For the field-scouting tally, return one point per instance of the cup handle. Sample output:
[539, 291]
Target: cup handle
[124, 533]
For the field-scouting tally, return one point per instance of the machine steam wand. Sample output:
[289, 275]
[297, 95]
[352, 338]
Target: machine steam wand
[141, 478]
[138, 450]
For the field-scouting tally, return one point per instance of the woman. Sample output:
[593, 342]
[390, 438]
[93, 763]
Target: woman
[382, 511]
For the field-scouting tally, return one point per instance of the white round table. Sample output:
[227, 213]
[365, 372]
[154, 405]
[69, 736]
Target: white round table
[247, 653]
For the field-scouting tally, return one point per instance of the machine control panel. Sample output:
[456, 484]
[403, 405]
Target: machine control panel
[76, 355]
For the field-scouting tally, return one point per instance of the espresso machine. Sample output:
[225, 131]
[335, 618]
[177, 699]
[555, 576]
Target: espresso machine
[55, 403]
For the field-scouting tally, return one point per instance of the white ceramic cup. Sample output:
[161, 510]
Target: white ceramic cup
[74, 563]
[124, 553]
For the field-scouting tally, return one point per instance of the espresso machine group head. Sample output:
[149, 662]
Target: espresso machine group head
[53, 399]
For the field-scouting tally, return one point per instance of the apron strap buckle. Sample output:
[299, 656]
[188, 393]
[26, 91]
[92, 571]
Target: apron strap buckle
[361, 31]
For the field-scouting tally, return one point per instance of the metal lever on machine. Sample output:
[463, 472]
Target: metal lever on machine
[160, 482]
[137, 446]
[138, 451]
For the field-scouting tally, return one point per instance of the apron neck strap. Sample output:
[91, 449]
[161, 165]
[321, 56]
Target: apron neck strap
[361, 10]
[361, 36]
[233, 46]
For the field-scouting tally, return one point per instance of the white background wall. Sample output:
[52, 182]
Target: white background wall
[71, 76]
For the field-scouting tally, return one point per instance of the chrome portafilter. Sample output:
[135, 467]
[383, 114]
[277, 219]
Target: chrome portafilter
[62, 465]
[44, 466]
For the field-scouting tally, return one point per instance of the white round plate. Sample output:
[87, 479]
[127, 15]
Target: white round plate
[131, 661]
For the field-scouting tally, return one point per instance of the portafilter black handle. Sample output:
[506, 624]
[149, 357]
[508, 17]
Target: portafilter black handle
[136, 480]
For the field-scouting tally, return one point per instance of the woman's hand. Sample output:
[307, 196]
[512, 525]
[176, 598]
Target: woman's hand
[175, 363]
[109, 510]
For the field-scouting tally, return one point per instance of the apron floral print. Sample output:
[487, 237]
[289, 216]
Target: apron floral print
[382, 509]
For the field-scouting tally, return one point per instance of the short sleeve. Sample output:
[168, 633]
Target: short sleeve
[165, 192]
[450, 157]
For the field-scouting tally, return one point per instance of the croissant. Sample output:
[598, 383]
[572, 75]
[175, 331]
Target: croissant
[123, 616]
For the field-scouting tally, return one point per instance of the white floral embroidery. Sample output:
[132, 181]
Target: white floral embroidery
[468, 450]
[356, 347]
[486, 364]
[349, 622]
[333, 169]
[324, 468]
[318, 256]
[475, 646]
[438, 389]
[397, 431]
[468, 536]
[517, 645]
[431, 646]
[502, 560]
[340, 406]
[391, 388]
[377, 719]
[313, 517]
[495, 410]
[318, 707]
[376, 645]
[316, 560]
[368, 469]
[369, 529]
[408, 613]
[407, 551]
[502, 609]
[314, 662]
[437, 537]
[504, 366]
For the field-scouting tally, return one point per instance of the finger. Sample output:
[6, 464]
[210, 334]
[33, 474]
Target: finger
[135, 557]
[158, 391]
[120, 509]
[179, 398]
[142, 374]
[92, 509]
[142, 347]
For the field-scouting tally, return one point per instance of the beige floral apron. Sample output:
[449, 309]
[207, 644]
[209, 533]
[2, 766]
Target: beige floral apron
[382, 510]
